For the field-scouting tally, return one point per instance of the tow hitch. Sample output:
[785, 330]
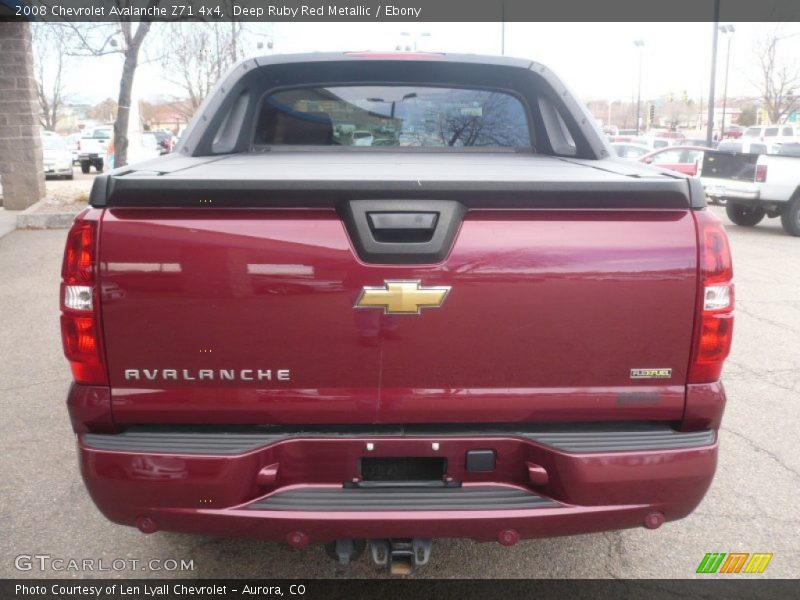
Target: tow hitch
[401, 556]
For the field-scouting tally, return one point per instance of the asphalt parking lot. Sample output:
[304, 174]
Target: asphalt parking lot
[753, 504]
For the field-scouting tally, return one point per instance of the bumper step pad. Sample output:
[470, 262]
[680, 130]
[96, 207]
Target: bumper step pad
[483, 497]
[583, 437]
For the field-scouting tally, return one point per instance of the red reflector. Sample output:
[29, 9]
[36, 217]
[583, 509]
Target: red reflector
[715, 337]
[761, 173]
[395, 55]
[78, 265]
[81, 347]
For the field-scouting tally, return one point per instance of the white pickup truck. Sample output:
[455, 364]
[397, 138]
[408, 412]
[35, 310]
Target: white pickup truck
[92, 148]
[756, 185]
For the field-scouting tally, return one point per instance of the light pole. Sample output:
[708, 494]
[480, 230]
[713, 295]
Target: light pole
[414, 37]
[640, 45]
[728, 31]
[710, 122]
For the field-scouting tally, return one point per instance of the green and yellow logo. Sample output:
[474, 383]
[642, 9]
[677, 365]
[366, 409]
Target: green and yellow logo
[735, 562]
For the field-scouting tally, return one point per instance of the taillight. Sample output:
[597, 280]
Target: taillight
[80, 322]
[761, 173]
[77, 145]
[714, 326]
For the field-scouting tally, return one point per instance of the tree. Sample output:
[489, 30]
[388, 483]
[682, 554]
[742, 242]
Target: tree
[748, 116]
[778, 76]
[49, 70]
[197, 55]
[99, 39]
[104, 111]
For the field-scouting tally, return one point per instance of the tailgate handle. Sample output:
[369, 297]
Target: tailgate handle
[403, 231]
[410, 227]
[402, 220]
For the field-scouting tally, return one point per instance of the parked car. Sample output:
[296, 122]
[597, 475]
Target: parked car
[655, 142]
[402, 348]
[733, 132]
[166, 141]
[698, 142]
[630, 150]
[666, 134]
[772, 135]
[56, 157]
[362, 138]
[757, 185]
[142, 146]
[74, 145]
[94, 145]
[684, 159]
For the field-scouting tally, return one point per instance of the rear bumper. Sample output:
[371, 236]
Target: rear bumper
[732, 189]
[225, 483]
[57, 171]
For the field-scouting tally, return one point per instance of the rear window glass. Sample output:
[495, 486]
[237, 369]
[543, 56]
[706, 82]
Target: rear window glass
[771, 131]
[394, 116]
[100, 134]
[753, 132]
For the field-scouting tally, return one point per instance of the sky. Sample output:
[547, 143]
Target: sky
[596, 60]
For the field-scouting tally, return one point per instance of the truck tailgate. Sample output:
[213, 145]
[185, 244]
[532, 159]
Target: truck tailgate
[246, 316]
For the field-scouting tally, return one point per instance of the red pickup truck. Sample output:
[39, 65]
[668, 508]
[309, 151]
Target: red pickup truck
[472, 322]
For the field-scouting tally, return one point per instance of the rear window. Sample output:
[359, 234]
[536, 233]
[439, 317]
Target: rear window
[789, 150]
[753, 132]
[100, 134]
[394, 116]
[771, 131]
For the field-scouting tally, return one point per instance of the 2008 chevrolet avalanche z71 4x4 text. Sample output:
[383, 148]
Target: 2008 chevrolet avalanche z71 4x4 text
[395, 297]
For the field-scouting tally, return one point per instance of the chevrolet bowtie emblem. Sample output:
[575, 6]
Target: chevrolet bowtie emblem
[402, 297]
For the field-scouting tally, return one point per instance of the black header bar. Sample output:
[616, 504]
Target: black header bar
[401, 10]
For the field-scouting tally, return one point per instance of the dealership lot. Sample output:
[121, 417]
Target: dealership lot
[753, 504]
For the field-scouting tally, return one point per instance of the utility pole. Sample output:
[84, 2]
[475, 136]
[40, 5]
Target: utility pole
[503, 29]
[640, 45]
[728, 31]
[710, 123]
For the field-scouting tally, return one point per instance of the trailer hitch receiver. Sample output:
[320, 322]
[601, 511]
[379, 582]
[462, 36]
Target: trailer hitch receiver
[401, 556]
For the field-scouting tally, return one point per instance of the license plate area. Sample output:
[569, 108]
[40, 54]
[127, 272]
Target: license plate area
[402, 469]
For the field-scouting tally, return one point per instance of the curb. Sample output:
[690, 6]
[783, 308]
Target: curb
[33, 218]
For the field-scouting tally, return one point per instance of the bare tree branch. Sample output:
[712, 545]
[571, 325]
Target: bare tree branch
[197, 55]
[778, 77]
[100, 39]
[50, 67]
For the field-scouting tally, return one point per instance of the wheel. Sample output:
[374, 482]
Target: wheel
[790, 217]
[746, 216]
[99, 166]
[85, 166]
